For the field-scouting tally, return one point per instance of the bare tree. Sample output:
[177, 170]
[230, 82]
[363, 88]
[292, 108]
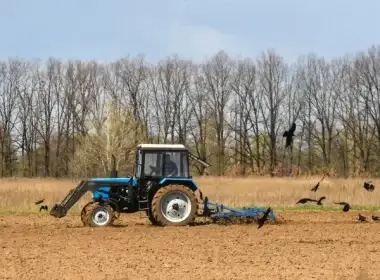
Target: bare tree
[272, 76]
[10, 76]
[131, 75]
[245, 88]
[218, 74]
[26, 134]
[200, 118]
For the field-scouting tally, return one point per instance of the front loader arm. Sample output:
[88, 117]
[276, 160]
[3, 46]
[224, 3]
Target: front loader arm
[60, 210]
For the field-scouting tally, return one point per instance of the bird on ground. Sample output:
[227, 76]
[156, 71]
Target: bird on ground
[315, 188]
[375, 218]
[289, 135]
[44, 207]
[369, 187]
[39, 201]
[362, 218]
[264, 218]
[346, 207]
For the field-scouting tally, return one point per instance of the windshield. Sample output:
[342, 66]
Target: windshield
[166, 164]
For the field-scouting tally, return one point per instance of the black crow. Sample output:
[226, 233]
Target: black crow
[264, 218]
[375, 218]
[315, 188]
[289, 135]
[369, 187]
[362, 218]
[39, 201]
[44, 207]
[346, 206]
[305, 200]
[319, 202]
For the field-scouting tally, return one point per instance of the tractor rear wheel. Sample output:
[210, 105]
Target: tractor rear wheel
[99, 215]
[174, 205]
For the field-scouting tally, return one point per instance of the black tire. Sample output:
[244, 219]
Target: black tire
[97, 208]
[151, 218]
[180, 190]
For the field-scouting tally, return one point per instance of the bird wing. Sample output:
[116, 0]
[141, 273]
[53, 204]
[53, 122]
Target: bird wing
[39, 201]
[315, 187]
[308, 199]
[262, 220]
[293, 128]
[340, 203]
[266, 213]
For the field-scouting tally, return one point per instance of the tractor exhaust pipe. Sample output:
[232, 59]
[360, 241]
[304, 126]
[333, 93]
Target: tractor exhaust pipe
[114, 171]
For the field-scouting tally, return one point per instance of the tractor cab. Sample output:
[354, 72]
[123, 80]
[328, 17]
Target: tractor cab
[159, 160]
[157, 163]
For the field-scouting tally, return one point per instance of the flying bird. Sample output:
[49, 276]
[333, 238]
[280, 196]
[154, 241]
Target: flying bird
[44, 207]
[369, 187]
[346, 207]
[264, 218]
[315, 188]
[319, 202]
[289, 135]
[375, 218]
[362, 218]
[305, 200]
[39, 201]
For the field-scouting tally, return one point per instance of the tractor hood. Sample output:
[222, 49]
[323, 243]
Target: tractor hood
[106, 180]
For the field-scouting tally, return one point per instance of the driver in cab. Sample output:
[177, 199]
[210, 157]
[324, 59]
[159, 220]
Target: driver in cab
[171, 168]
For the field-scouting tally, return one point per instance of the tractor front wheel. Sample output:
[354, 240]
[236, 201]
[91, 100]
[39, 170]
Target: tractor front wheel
[174, 205]
[98, 215]
[150, 217]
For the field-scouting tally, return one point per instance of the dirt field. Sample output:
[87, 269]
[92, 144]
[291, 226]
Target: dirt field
[312, 245]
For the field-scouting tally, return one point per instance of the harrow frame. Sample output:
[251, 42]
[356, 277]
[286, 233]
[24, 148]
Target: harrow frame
[217, 212]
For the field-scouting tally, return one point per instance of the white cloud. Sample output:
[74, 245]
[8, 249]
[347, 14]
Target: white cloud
[201, 42]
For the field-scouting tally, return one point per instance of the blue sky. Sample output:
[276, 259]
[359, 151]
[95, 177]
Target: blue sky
[109, 29]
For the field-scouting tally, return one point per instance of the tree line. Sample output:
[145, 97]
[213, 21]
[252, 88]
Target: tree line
[66, 118]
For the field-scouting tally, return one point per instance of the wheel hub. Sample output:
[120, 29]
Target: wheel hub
[176, 207]
[101, 217]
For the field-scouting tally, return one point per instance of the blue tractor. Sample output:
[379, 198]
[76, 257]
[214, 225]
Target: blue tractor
[161, 186]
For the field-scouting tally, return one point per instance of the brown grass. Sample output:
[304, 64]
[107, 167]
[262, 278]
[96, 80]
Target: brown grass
[19, 194]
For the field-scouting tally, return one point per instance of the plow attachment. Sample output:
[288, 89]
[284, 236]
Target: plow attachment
[222, 214]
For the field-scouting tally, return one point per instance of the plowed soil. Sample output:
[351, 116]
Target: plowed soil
[305, 245]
